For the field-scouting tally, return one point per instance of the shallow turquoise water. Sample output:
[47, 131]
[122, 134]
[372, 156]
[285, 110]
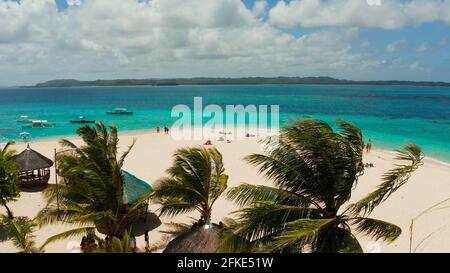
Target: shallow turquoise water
[389, 115]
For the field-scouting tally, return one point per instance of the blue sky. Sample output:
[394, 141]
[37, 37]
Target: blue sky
[353, 39]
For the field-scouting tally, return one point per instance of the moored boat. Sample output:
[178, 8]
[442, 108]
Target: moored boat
[120, 111]
[24, 119]
[82, 119]
[39, 124]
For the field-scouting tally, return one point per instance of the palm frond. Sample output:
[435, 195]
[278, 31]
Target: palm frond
[299, 234]
[353, 134]
[125, 154]
[76, 232]
[392, 180]
[245, 194]
[174, 206]
[195, 181]
[6, 152]
[263, 218]
[377, 229]
[231, 242]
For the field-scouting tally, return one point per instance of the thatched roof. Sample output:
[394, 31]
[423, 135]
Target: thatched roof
[29, 160]
[133, 188]
[149, 221]
[204, 239]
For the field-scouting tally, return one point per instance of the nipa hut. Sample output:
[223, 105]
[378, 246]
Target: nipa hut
[203, 239]
[34, 168]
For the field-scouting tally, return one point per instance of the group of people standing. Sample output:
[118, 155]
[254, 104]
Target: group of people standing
[89, 244]
[166, 130]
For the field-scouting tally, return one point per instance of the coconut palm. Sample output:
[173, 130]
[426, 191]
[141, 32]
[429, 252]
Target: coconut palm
[314, 169]
[9, 177]
[121, 245]
[195, 181]
[19, 231]
[6, 152]
[92, 189]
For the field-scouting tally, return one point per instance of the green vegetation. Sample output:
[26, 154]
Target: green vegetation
[90, 194]
[224, 81]
[9, 177]
[314, 170]
[196, 179]
[19, 231]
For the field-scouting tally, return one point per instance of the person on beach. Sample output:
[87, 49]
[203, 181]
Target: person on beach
[157, 130]
[133, 245]
[108, 242]
[147, 242]
[83, 244]
[208, 142]
[369, 146]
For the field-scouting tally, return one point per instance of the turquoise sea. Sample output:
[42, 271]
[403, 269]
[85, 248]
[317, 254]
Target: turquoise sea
[389, 115]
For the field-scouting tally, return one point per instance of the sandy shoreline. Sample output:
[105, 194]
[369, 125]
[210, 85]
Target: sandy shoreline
[152, 155]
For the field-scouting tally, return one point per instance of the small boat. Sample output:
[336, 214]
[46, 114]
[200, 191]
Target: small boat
[23, 119]
[81, 119]
[39, 124]
[119, 111]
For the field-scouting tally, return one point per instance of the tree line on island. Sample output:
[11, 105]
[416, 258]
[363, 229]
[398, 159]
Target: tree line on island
[314, 170]
[228, 81]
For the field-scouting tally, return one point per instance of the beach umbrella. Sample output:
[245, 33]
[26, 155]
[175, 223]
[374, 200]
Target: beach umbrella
[134, 188]
[147, 222]
[25, 136]
[203, 239]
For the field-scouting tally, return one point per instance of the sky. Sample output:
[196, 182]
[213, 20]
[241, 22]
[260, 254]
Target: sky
[42, 40]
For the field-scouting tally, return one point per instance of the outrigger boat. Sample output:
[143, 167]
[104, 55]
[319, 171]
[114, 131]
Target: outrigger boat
[119, 111]
[23, 119]
[39, 124]
[82, 120]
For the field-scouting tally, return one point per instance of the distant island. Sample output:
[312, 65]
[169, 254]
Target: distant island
[227, 81]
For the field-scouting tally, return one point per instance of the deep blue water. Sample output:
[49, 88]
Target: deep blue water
[389, 115]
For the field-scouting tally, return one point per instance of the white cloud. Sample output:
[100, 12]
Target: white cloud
[365, 44]
[164, 38]
[259, 7]
[387, 14]
[423, 47]
[73, 2]
[394, 46]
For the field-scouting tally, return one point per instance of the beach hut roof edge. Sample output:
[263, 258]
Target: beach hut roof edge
[203, 239]
[29, 160]
[134, 188]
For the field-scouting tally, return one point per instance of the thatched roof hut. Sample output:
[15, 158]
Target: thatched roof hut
[203, 239]
[34, 168]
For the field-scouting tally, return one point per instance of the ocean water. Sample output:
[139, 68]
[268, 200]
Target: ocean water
[388, 115]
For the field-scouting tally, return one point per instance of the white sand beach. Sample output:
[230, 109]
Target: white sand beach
[152, 155]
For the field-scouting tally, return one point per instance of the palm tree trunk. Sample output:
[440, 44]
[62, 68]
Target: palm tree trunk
[206, 215]
[10, 214]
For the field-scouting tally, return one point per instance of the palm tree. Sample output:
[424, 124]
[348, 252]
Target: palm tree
[92, 190]
[121, 245]
[20, 232]
[196, 180]
[9, 177]
[6, 152]
[314, 169]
